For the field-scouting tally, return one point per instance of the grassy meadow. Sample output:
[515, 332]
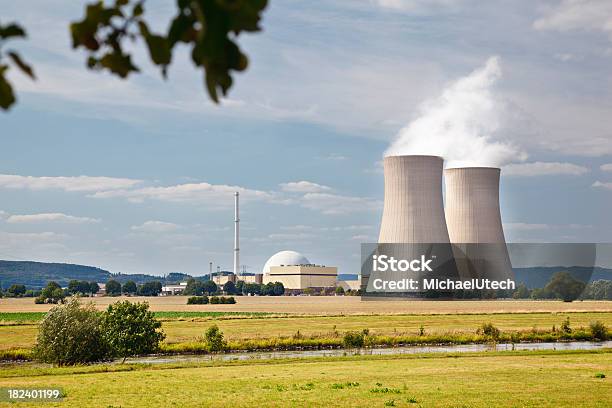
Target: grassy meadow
[503, 379]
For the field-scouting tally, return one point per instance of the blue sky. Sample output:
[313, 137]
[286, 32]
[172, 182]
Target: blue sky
[138, 175]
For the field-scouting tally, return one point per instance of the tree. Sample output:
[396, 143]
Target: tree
[339, 290]
[240, 287]
[17, 290]
[152, 288]
[113, 288]
[131, 329]
[279, 289]
[229, 288]
[194, 287]
[76, 287]
[565, 286]
[213, 338]
[210, 287]
[209, 27]
[52, 293]
[521, 292]
[71, 334]
[93, 288]
[129, 287]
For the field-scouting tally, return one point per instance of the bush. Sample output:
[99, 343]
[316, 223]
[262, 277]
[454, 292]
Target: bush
[214, 300]
[227, 300]
[213, 338]
[71, 334]
[489, 330]
[131, 329]
[197, 300]
[565, 326]
[599, 331]
[353, 339]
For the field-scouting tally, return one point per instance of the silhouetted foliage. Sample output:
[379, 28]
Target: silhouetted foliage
[113, 288]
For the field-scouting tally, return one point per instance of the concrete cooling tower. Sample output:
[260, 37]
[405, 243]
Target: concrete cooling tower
[413, 210]
[474, 222]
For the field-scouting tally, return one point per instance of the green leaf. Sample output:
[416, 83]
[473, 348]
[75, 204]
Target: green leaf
[12, 30]
[7, 97]
[23, 66]
[118, 63]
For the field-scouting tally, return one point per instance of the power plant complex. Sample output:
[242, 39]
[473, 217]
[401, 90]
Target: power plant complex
[461, 227]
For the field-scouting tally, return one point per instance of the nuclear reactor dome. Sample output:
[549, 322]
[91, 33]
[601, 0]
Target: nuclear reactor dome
[285, 258]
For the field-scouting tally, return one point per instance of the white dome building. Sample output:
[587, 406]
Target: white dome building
[297, 273]
[285, 258]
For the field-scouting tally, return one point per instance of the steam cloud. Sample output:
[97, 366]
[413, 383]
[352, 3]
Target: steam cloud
[463, 125]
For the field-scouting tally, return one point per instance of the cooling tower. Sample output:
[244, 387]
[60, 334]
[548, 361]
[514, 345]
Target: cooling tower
[413, 211]
[474, 222]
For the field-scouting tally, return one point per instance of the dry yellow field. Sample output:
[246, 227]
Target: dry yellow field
[333, 305]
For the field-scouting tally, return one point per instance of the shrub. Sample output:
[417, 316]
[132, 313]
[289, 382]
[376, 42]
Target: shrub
[353, 339]
[489, 330]
[227, 300]
[598, 331]
[213, 338]
[131, 329]
[71, 334]
[565, 326]
[600, 375]
[197, 300]
[214, 300]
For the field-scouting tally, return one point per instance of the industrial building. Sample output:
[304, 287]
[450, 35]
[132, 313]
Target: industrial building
[296, 273]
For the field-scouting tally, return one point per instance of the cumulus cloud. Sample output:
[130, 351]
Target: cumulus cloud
[604, 185]
[606, 167]
[50, 217]
[73, 183]
[587, 15]
[156, 226]
[462, 125]
[217, 195]
[303, 187]
[543, 169]
[333, 204]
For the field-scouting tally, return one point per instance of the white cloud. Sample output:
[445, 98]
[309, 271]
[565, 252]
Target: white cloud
[522, 226]
[303, 187]
[606, 167]
[604, 185]
[588, 15]
[415, 6]
[333, 204]
[291, 237]
[565, 57]
[216, 195]
[50, 217]
[543, 169]
[156, 226]
[72, 183]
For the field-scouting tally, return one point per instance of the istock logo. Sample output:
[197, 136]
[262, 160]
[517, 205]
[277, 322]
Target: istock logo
[384, 263]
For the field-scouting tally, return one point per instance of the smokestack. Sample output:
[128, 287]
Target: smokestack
[413, 210]
[236, 235]
[474, 221]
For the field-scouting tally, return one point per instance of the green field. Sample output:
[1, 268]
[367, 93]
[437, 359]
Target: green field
[18, 330]
[506, 379]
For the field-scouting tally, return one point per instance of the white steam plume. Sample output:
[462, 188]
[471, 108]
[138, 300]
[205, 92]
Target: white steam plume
[462, 124]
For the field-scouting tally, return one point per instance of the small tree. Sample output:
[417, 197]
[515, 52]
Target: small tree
[213, 338]
[209, 287]
[93, 288]
[71, 334]
[130, 287]
[113, 288]
[339, 290]
[52, 293]
[521, 292]
[194, 287]
[565, 286]
[152, 288]
[279, 289]
[131, 329]
[17, 290]
[229, 288]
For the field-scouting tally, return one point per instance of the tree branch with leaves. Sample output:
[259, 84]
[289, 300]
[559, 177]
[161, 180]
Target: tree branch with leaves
[209, 27]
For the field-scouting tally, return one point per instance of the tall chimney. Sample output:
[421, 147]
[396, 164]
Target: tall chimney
[474, 221]
[236, 234]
